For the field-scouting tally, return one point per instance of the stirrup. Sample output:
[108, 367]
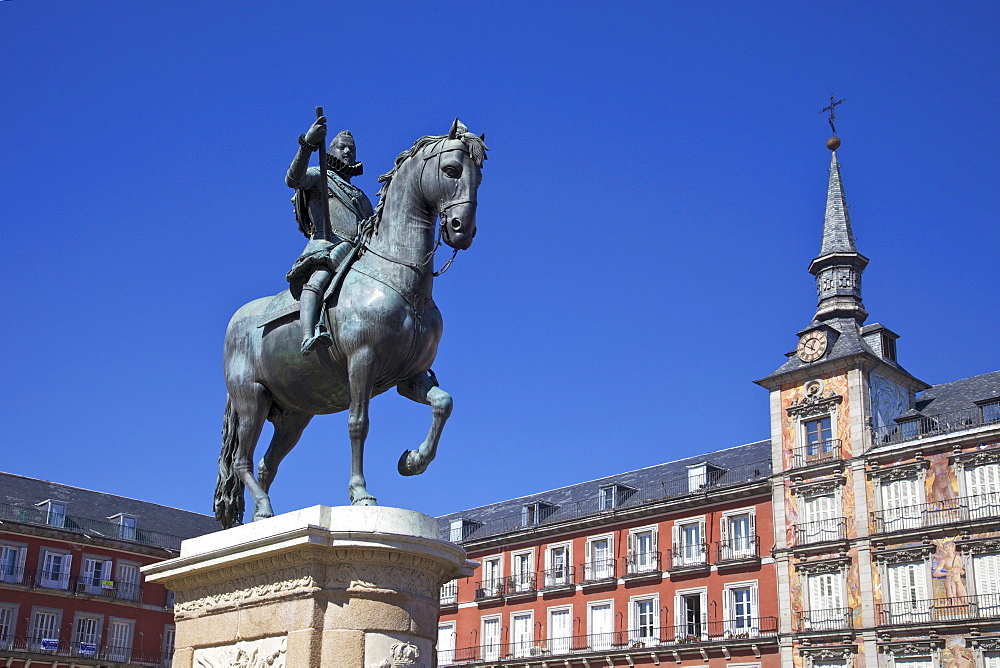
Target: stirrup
[317, 340]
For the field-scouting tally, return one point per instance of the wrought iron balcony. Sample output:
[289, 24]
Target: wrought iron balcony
[643, 563]
[689, 554]
[449, 593]
[936, 513]
[487, 589]
[816, 453]
[560, 576]
[523, 583]
[737, 549]
[599, 570]
[830, 619]
[25, 647]
[937, 425]
[820, 531]
[943, 609]
[77, 585]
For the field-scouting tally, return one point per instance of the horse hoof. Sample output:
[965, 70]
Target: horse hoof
[404, 466]
[364, 501]
[262, 516]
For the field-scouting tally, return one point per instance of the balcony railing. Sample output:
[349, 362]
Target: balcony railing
[77, 585]
[830, 619]
[939, 609]
[643, 563]
[745, 628]
[560, 576]
[936, 513]
[689, 554]
[487, 589]
[89, 527]
[737, 549]
[26, 646]
[934, 425]
[816, 453]
[523, 583]
[599, 569]
[449, 593]
[820, 531]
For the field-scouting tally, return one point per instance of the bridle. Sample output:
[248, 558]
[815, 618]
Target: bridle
[442, 210]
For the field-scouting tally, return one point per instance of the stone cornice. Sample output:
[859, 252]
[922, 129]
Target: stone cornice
[828, 653]
[903, 555]
[818, 487]
[980, 546]
[977, 457]
[912, 648]
[812, 405]
[835, 565]
[899, 472]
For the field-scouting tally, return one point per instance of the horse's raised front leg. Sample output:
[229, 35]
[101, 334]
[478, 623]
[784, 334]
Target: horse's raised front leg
[288, 428]
[424, 390]
[360, 378]
[252, 403]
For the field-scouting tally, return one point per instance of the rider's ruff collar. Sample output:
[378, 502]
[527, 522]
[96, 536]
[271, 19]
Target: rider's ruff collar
[342, 168]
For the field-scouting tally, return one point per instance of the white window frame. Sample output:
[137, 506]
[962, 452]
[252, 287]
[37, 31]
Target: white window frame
[985, 581]
[823, 528]
[685, 554]
[600, 569]
[7, 637]
[45, 568]
[446, 650]
[490, 652]
[169, 640]
[522, 647]
[748, 549]
[12, 558]
[55, 512]
[129, 591]
[121, 653]
[75, 641]
[443, 597]
[899, 516]
[522, 581]
[930, 659]
[642, 635]
[86, 583]
[34, 640]
[824, 622]
[128, 526]
[733, 629]
[981, 486]
[681, 630]
[551, 579]
[599, 639]
[643, 562]
[559, 644]
[492, 585]
[912, 605]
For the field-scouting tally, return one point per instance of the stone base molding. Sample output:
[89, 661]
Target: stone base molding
[345, 587]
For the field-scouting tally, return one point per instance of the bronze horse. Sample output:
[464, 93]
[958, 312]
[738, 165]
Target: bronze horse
[384, 323]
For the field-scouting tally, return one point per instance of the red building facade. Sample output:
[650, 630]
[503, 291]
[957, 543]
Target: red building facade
[71, 591]
[670, 563]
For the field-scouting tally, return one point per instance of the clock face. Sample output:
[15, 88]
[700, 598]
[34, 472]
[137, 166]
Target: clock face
[812, 345]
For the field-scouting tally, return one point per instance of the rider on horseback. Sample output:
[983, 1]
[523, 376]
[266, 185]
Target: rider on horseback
[327, 249]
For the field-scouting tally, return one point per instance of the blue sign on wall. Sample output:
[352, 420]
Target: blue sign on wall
[88, 648]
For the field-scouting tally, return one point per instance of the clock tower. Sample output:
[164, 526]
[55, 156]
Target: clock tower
[840, 384]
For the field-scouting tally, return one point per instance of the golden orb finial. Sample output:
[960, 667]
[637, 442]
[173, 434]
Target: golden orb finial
[833, 143]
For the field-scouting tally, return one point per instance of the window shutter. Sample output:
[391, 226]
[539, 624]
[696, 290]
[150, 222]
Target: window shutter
[64, 574]
[753, 524]
[106, 572]
[987, 574]
[674, 537]
[631, 544]
[23, 553]
[725, 529]
[727, 606]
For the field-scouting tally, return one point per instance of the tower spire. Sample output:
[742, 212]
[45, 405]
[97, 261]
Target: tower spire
[838, 266]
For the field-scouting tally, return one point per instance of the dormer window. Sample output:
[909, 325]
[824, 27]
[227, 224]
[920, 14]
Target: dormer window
[612, 496]
[881, 340]
[55, 512]
[989, 410]
[535, 512]
[127, 525]
[461, 528]
[702, 475]
[909, 428]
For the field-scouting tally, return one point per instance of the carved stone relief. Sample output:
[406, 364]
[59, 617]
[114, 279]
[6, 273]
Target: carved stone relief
[390, 650]
[244, 589]
[262, 653]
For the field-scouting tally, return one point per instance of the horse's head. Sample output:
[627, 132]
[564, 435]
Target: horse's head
[449, 181]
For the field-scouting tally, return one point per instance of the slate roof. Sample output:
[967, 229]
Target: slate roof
[837, 234]
[18, 491]
[959, 394]
[736, 465]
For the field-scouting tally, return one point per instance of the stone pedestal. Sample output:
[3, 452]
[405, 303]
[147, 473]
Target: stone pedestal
[344, 587]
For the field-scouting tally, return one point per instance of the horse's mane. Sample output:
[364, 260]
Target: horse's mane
[475, 146]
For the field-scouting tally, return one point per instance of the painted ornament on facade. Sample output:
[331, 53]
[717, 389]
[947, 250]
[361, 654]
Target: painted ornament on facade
[889, 400]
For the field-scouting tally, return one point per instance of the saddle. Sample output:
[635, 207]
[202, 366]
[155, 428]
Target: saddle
[284, 305]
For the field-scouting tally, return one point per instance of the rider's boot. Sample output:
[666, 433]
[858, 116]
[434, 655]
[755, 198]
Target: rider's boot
[309, 305]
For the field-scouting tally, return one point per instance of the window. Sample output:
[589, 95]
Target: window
[600, 559]
[643, 624]
[913, 662]
[55, 569]
[560, 631]
[600, 623]
[612, 496]
[557, 560]
[908, 593]
[991, 660]
[168, 645]
[55, 513]
[446, 644]
[740, 610]
[739, 536]
[8, 624]
[990, 412]
[691, 615]
[901, 501]
[119, 644]
[127, 582]
[86, 634]
[96, 576]
[449, 593]
[909, 428]
[170, 600]
[522, 633]
[523, 572]
[642, 554]
[982, 484]
[822, 519]
[491, 638]
[826, 602]
[819, 438]
[986, 578]
[702, 475]
[689, 542]
[44, 635]
[461, 529]
[127, 526]
[492, 583]
[12, 562]
[535, 512]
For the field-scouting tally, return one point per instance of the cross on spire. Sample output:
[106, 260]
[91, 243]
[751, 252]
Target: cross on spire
[832, 114]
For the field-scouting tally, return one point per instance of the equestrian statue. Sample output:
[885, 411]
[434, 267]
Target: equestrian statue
[358, 318]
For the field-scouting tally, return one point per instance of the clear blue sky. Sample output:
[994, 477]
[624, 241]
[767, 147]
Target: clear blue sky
[654, 194]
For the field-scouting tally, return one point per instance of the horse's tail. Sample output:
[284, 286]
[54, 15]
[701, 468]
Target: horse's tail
[229, 486]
